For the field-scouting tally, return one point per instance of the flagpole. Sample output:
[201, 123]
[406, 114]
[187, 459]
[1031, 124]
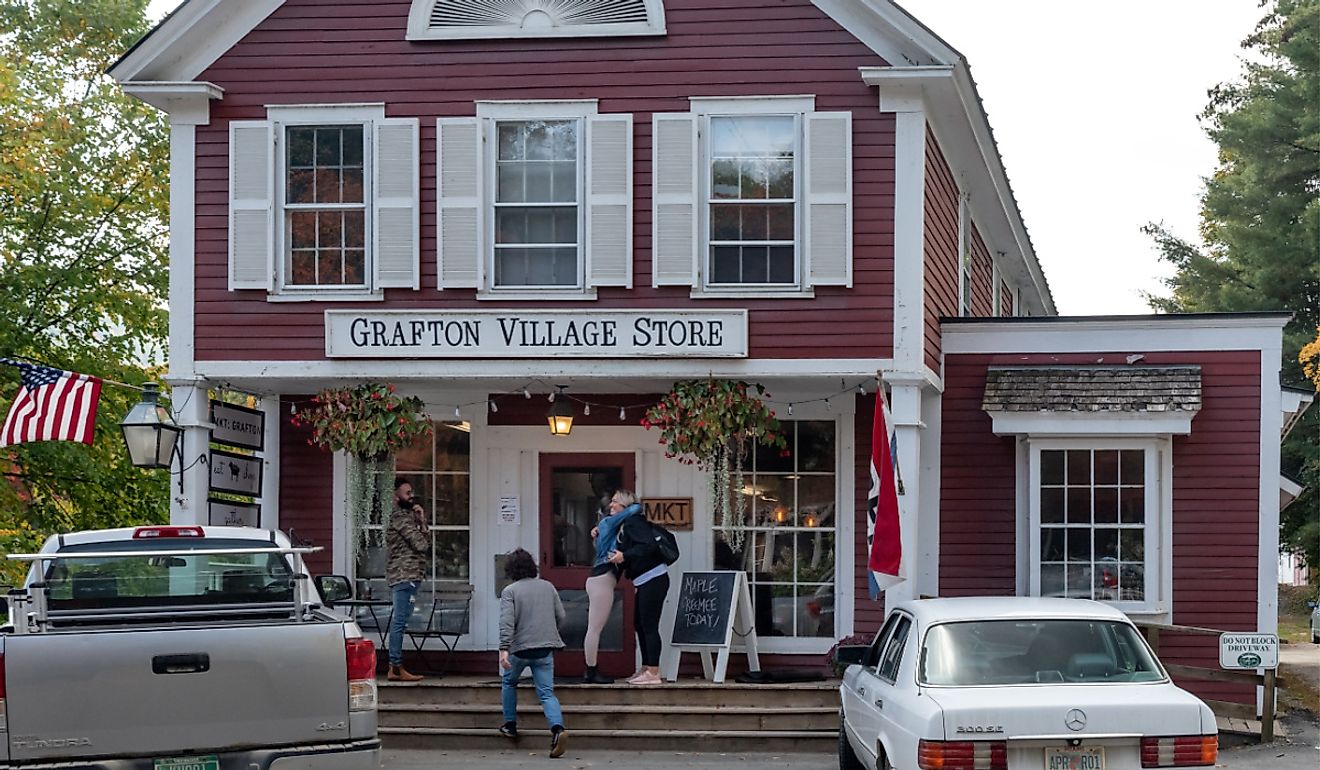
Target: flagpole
[12, 362]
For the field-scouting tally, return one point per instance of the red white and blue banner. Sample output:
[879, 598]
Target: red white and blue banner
[51, 405]
[884, 544]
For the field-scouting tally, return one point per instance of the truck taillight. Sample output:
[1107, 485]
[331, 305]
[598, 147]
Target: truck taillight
[148, 533]
[962, 755]
[360, 656]
[1180, 751]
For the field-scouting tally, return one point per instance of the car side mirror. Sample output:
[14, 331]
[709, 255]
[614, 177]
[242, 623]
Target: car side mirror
[1311, 604]
[851, 655]
[333, 588]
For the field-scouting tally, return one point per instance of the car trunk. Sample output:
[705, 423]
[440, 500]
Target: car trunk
[167, 692]
[1092, 726]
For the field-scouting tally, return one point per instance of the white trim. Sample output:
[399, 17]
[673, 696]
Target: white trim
[1158, 533]
[420, 29]
[966, 277]
[191, 39]
[1115, 334]
[340, 526]
[996, 281]
[909, 238]
[537, 109]
[751, 105]
[184, 102]
[1271, 426]
[271, 461]
[182, 248]
[927, 576]
[252, 373]
[1092, 423]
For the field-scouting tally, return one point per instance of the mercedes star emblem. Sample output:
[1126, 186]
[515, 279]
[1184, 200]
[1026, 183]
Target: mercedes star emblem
[1075, 719]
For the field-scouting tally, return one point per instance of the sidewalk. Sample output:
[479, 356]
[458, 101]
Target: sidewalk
[535, 756]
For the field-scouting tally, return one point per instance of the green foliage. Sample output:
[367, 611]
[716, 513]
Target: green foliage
[699, 420]
[1260, 219]
[367, 421]
[83, 255]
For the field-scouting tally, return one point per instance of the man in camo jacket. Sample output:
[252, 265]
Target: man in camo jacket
[407, 546]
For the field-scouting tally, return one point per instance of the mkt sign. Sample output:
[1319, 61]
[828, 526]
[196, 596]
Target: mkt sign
[1237, 650]
[536, 333]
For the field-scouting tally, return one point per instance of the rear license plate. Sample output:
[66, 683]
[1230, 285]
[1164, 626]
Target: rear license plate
[210, 762]
[1075, 759]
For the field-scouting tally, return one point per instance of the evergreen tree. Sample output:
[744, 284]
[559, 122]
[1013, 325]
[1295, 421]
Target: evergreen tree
[1260, 220]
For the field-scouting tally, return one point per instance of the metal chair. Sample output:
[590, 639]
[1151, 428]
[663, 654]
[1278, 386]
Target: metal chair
[445, 616]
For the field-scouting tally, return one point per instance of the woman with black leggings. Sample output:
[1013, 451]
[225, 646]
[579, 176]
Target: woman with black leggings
[639, 555]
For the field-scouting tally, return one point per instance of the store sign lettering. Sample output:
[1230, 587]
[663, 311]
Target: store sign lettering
[501, 334]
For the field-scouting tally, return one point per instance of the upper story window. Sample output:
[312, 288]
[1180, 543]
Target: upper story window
[325, 206]
[534, 200]
[323, 203]
[753, 200]
[470, 19]
[752, 196]
[536, 204]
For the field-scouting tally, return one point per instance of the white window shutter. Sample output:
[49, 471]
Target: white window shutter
[828, 173]
[396, 226]
[674, 175]
[458, 202]
[251, 205]
[609, 200]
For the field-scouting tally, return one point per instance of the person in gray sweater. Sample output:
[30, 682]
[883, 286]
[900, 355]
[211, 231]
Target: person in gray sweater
[530, 614]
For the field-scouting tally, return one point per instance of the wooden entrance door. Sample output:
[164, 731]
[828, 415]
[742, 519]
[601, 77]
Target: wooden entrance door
[574, 487]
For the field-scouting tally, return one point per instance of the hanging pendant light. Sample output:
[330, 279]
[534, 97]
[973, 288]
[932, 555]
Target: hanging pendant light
[560, 415]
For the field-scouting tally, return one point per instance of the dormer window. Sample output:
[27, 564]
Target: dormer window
[474, 19]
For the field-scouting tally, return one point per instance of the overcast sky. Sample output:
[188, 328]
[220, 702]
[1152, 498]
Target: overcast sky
[1094, 108]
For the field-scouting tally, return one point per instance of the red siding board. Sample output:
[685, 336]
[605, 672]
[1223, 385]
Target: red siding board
[308, 52]
[1215, 497]
[940, 248]
[305, 496]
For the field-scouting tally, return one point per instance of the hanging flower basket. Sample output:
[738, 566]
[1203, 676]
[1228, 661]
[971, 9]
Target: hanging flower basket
[371, 423]
[713, 424]
[366, 421]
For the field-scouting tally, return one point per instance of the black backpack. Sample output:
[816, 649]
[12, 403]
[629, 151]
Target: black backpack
[664, 543]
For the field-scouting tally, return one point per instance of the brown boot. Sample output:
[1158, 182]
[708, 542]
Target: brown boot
[401, 674]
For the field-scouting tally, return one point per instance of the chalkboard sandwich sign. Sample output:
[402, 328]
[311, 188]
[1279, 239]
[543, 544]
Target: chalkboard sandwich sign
[713, 609]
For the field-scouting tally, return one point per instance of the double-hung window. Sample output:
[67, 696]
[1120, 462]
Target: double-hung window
[534, 200]
[752, 196]
[323, 202]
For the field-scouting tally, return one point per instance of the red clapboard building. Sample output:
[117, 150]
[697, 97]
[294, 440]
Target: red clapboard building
[482, 201]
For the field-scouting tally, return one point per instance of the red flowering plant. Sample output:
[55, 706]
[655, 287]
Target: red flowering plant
[713, 424]
[370, 422]
[367, 421]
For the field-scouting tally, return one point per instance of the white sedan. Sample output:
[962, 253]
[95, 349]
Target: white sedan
[1015, 683]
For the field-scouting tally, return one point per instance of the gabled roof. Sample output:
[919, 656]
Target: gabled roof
[1093, 389]
[199, 32]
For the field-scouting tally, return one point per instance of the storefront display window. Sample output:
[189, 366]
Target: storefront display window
[439, 467]
[789, 540]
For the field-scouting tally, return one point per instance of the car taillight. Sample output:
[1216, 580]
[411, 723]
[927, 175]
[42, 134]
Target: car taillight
[962, 755]
[360, 656]
[1180, 751]
[147, 533]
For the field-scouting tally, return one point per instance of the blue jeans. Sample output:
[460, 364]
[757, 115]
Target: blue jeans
[405, 598]
[543, 676]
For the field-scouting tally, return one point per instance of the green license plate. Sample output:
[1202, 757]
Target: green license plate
[210, 762]
[1075, 759]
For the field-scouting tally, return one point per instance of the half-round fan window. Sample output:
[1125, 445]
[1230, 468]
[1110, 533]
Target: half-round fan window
[467, 19]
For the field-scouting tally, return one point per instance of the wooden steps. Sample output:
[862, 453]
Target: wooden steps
[464, 713]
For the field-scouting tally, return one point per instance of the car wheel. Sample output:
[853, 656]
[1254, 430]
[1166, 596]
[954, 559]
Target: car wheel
[1315, 637]
[847, 757]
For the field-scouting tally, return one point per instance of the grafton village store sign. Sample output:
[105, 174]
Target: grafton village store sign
[535, 333]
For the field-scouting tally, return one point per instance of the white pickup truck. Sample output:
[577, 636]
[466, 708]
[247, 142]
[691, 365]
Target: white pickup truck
[181, 648]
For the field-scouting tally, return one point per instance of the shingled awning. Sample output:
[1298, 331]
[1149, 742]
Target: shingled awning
[1133, 398]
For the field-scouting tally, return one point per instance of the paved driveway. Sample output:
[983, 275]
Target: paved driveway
[595, 758]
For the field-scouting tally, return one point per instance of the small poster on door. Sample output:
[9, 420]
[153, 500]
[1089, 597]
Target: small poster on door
[509, 511]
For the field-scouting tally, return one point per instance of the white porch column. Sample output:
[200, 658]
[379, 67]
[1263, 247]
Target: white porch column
[905, 408]
[190, 403]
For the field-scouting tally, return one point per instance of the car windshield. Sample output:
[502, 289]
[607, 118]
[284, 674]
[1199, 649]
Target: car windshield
[146, 581]
[999, 652]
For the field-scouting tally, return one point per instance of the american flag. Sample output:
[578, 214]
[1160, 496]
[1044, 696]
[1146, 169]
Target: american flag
[51, 405]
[884, 547]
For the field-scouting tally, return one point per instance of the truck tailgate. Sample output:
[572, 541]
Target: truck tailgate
[163, 692]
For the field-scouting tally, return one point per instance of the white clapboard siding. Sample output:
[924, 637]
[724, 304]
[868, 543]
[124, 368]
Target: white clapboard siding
[397, 225]
[828, 237]
[609, 200]
[458, 202]
[674, 197]
[251, 205]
